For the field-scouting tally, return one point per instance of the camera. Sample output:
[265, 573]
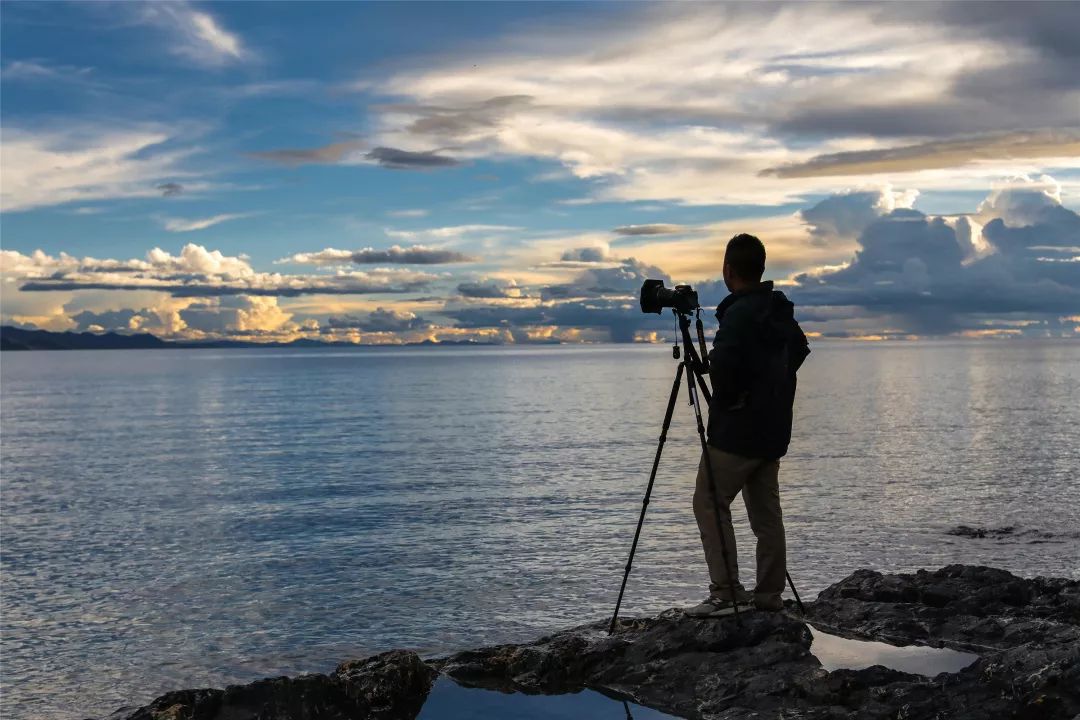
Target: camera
[655, 297]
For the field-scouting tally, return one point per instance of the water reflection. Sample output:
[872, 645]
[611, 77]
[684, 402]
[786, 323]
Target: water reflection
[450, 701]
[837, 653]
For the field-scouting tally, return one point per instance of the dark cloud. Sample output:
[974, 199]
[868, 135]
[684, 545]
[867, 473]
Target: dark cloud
[454, 122]
[406, 160]
[621, 319]
[170, 189]
[1034, 86]
[416, 255]
[929, 274]
[1048, 28]
[846, 215]
[938, 154]
[394, 255]
[295, 287]
[109, 319]
[322, 155]
[379, 320]
[650, 229]
[624, 280]
[487, 290]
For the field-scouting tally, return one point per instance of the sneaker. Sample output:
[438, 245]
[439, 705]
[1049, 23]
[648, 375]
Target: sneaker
[769, 603]
[711, 607]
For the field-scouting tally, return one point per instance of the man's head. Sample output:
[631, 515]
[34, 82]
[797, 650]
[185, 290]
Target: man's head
[744, 262]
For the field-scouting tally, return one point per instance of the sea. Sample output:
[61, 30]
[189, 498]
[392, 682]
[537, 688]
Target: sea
[194, 518]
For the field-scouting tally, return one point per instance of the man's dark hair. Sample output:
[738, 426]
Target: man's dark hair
[746, 256]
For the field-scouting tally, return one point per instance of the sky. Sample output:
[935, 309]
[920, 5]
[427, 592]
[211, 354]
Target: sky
[512, 172]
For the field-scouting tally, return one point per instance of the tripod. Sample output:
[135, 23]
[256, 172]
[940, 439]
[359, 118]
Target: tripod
[694, 365]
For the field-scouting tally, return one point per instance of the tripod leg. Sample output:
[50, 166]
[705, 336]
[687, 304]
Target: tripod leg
[802, 610]
[648, 491]
[712, 487]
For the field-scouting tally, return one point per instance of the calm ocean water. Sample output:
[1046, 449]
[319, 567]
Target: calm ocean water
[193, 518]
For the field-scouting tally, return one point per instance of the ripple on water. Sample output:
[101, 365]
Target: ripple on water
[198, 518]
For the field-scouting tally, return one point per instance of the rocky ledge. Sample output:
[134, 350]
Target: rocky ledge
[759, 665]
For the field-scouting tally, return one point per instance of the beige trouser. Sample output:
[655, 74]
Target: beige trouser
[757, 479]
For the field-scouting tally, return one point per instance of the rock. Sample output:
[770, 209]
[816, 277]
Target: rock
[978, 532]
[759, 665]
[391, 686]
[1031, 536]
[681, 665]
[1027, 633]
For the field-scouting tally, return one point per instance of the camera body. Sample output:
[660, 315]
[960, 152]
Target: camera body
[655, 297]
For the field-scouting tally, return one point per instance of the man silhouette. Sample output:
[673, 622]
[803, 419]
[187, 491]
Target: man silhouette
[757, 351]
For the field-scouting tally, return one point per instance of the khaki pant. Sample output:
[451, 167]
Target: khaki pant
[757, 479]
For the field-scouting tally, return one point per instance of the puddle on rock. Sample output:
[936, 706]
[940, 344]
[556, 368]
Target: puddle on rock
[450, 701]
[837, 653]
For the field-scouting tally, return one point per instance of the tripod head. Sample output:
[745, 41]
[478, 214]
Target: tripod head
[698, 362]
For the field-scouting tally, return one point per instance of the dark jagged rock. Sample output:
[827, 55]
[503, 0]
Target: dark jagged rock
[391, 686]
[1025, 631]
[979, 532]
[1031, 536]
[672, 662]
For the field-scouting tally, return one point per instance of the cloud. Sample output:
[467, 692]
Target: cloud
[624, 280]
[379, 320]
[109, 320]
[37, 70]
[928, 275]
[238, 317]
[350, 152]
[409, 213]
[1062, 144]
[338, 152]
[489, 290]
[196, 272]
[197, 36]
[170, 189]
[181, 225]
[693, 104]
[621, 321]
[450, 231]
[52, 167]
[595, 254]
[396, 159]
[414, 255]
[847, 214]
[652, 229]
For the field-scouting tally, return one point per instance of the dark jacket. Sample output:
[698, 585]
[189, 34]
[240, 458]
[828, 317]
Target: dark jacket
[757, 351]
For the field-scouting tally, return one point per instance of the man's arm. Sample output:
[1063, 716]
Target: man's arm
[798, 347]
[727, 357]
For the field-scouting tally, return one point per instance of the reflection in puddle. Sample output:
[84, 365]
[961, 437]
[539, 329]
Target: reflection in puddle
[450, 701]
[836, 653]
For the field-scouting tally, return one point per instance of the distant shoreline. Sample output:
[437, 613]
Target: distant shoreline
[17, 339]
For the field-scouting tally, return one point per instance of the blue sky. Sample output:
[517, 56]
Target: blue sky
[204, 170]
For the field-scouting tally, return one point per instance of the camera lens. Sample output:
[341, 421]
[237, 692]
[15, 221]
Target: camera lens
[655, 297]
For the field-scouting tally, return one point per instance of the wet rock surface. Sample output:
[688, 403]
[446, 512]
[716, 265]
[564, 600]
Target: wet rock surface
[759, 665]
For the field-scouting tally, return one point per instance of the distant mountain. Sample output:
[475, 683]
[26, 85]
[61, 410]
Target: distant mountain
[13, 338]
